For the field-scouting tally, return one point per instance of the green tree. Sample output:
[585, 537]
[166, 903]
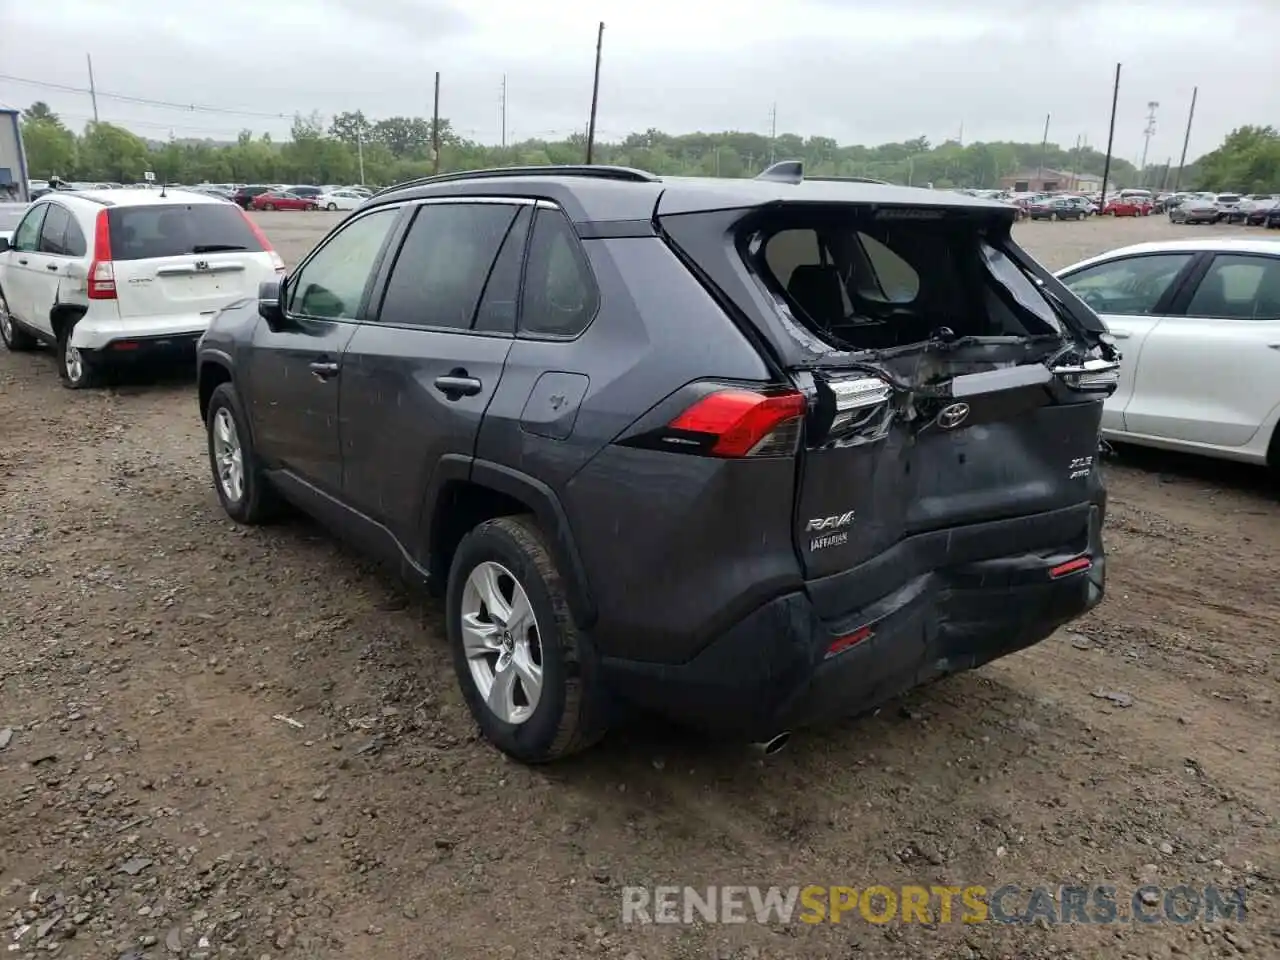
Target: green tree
[399, 148]
[108, 152]
[51, 148]
[41, 111]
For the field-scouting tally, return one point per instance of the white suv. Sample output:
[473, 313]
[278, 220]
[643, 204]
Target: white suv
[115, 275]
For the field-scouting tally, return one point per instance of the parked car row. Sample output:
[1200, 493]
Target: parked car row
[284, 197]
[1257, 211]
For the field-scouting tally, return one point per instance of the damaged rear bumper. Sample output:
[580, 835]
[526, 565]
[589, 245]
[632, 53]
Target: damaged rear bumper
[935, 604]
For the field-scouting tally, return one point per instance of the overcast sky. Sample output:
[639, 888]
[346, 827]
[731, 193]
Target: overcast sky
[864, 71]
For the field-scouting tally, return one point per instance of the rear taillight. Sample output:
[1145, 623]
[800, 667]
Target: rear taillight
[743, 423]
[277, 261]
[102, 275]
[1093, 375]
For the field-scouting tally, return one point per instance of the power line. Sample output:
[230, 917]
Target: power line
[142, 101]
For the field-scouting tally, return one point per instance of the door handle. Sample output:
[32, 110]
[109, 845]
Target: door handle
[23, 261]
[1274, 346]
[51, 266]
[1120, 334]
[458, 384]
[324, 369]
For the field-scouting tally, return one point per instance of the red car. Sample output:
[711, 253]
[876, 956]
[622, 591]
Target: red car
[1127, 207]
[280, 200]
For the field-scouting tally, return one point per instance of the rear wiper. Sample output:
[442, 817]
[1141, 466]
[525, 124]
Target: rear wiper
[216, 247]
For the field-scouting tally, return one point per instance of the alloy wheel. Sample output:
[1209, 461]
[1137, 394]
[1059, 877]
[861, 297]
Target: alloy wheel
[228, 455]
[72, 360]
[502, 642]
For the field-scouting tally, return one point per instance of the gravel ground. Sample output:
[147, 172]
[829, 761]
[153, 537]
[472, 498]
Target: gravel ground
[219, 742]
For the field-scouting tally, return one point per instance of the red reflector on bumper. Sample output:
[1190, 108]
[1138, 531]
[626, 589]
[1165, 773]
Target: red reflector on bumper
[124, 345]
[1071, 566]
[841, 644]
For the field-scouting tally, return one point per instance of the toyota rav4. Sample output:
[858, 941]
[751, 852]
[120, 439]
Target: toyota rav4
[748, 453]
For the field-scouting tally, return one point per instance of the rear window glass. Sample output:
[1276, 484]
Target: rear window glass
[172, 230]
[866, 284]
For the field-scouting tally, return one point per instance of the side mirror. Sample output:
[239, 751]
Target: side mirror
[271, 302]
[4, 244]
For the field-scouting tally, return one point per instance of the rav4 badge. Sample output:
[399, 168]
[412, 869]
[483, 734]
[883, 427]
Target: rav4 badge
[836, 522]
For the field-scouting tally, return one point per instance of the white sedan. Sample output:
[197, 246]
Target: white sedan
[340, 200]
[1198, 324]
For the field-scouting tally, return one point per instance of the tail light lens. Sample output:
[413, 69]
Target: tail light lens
[743, 423]
[276, 260]
[102, 275]
[1093, 375]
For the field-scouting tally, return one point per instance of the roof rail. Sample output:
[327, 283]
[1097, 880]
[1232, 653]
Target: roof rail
[792, 171]
[600, 172]
[883, 183]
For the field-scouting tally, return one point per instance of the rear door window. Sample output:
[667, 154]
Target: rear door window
[54, 232]
[174, 230]
[1238, 287]
[444, 264]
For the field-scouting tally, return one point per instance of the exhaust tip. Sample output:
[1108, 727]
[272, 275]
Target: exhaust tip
[773, 745]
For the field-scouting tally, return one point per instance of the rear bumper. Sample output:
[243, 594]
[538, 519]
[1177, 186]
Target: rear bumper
[179, 347]
[108, 333]
[775, 670]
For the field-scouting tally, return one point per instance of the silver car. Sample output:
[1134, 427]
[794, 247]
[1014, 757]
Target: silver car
[1195, 210]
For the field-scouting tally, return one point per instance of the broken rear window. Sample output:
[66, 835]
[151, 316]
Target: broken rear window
[860, 283]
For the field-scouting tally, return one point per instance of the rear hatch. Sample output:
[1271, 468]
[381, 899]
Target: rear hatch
[951, 381]
[178, 259]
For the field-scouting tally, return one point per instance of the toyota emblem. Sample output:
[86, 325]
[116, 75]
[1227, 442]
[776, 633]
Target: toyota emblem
[951, 417]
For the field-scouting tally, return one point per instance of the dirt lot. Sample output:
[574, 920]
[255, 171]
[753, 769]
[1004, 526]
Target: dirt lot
[153, 803]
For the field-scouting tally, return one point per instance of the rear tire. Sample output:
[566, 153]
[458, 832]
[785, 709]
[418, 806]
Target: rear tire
[15, 338]
[77, 370]
[245, 493]
[268, 206]
[332, 206]
[568, 712]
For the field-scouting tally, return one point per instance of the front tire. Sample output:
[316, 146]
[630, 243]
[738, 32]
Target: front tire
[15, 338]
[245, 493]
[332, 206]
[530, 678]
[77, 370]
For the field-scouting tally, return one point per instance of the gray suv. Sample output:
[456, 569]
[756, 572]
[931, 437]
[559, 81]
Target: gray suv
[751, 454]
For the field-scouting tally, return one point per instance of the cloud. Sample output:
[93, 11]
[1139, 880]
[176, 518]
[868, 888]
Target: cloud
[863, 71]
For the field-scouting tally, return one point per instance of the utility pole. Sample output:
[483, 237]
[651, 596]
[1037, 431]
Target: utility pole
[595, 94]
[1075, 163]
[960, 138]
[360, 149]
[435, 129]
[1044, 147]
[1191, 115]
[1168, 165]
[773, 131]
[1111, 135]
[1147, 133]
[93, 90]
[502, 106]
